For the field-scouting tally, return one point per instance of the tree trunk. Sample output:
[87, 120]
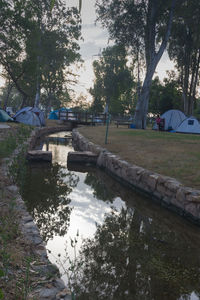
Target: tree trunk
[152, 60]
[10, 86]
[142, 104]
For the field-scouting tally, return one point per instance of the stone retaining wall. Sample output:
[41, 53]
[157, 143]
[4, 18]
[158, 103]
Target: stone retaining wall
[47, 287]
[166, 190]
[40, 132]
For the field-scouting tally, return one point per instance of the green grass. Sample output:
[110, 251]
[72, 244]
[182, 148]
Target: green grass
[147, 134]
[171, 154]
[14, 137]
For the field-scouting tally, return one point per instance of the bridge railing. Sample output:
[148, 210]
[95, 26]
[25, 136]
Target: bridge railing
[82, 117]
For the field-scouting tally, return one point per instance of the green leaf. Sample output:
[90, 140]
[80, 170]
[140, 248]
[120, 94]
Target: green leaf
[1, 273]
[1, 294]
[52, 4]
[80, 5]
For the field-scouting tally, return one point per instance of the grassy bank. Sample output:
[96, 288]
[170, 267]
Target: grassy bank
[14, 251]
[12, 137]
[170, 154]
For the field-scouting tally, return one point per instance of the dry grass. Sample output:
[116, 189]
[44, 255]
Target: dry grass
[170, 154]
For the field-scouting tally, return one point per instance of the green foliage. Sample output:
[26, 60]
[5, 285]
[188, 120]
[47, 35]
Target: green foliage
[9, 144]
[37, 45]
[137, 26]
[113, 82]
[165, 96]
[184, 50]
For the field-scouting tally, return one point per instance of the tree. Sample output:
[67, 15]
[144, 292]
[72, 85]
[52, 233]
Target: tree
[136, 24]
[37, 45]
[113, 81]
[184, 50]
[165, 96]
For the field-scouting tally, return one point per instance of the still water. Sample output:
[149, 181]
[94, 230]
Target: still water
[130, 248]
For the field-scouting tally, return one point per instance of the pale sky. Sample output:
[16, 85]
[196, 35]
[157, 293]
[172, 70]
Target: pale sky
[95, 39]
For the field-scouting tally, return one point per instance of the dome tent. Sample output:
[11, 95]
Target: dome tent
[173, 118]
[4, 117]
[189, 125]
[54, 115]
[30, 116]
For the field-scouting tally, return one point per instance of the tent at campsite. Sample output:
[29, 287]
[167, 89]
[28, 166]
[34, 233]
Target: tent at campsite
[4, 117]
[30, 116]
[189, 125]
[54, 115]
[173, 118]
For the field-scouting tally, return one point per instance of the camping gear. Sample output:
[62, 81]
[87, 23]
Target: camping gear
[173, 118]
[54, 115]
[189, 125]
[4, 117]
[30, 116]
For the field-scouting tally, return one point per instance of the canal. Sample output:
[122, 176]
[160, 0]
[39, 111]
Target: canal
[108, 241]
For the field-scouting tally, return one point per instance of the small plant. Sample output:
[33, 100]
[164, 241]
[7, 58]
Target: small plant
[23, 284]
[67, 265]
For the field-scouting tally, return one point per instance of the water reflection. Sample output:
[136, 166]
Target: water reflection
[131, 257]
[46, 191]
[138, 250]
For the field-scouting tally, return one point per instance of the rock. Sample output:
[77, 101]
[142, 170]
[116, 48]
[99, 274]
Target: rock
[48, 270]
[63, 293]
[13, 189]
[48, 293]
[82, 157]
[39, 155]
[152, 181]
[192, 209]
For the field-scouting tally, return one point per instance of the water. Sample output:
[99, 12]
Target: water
[131, 248]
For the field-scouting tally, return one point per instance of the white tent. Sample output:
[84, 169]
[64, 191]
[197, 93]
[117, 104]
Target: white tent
[173, 118]
[189, 125]
[30, 116]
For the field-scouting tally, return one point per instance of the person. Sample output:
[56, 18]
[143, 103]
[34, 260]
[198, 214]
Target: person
[158, 120]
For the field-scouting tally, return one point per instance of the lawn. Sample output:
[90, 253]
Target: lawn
[171, 154]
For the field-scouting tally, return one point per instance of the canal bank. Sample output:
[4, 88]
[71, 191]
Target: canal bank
[167, 191]
[37, 278]
[50, 288]
[129, 246]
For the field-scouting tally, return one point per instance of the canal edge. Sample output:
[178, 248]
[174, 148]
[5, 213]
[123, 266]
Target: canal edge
[54, 288]
[166, 191]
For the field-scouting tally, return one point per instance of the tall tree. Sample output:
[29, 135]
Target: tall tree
[184, 50]
[113, 81]
[165, 96]
[136, 24]
[37, 45]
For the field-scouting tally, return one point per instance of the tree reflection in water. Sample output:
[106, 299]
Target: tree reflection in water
[131, 258]
[45, 192]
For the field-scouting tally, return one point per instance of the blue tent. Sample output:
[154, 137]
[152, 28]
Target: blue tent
[55, 113]
[30, 116]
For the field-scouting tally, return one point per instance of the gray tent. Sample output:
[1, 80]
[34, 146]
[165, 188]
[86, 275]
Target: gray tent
[189, 125]
[30, 116]
[173, 118]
